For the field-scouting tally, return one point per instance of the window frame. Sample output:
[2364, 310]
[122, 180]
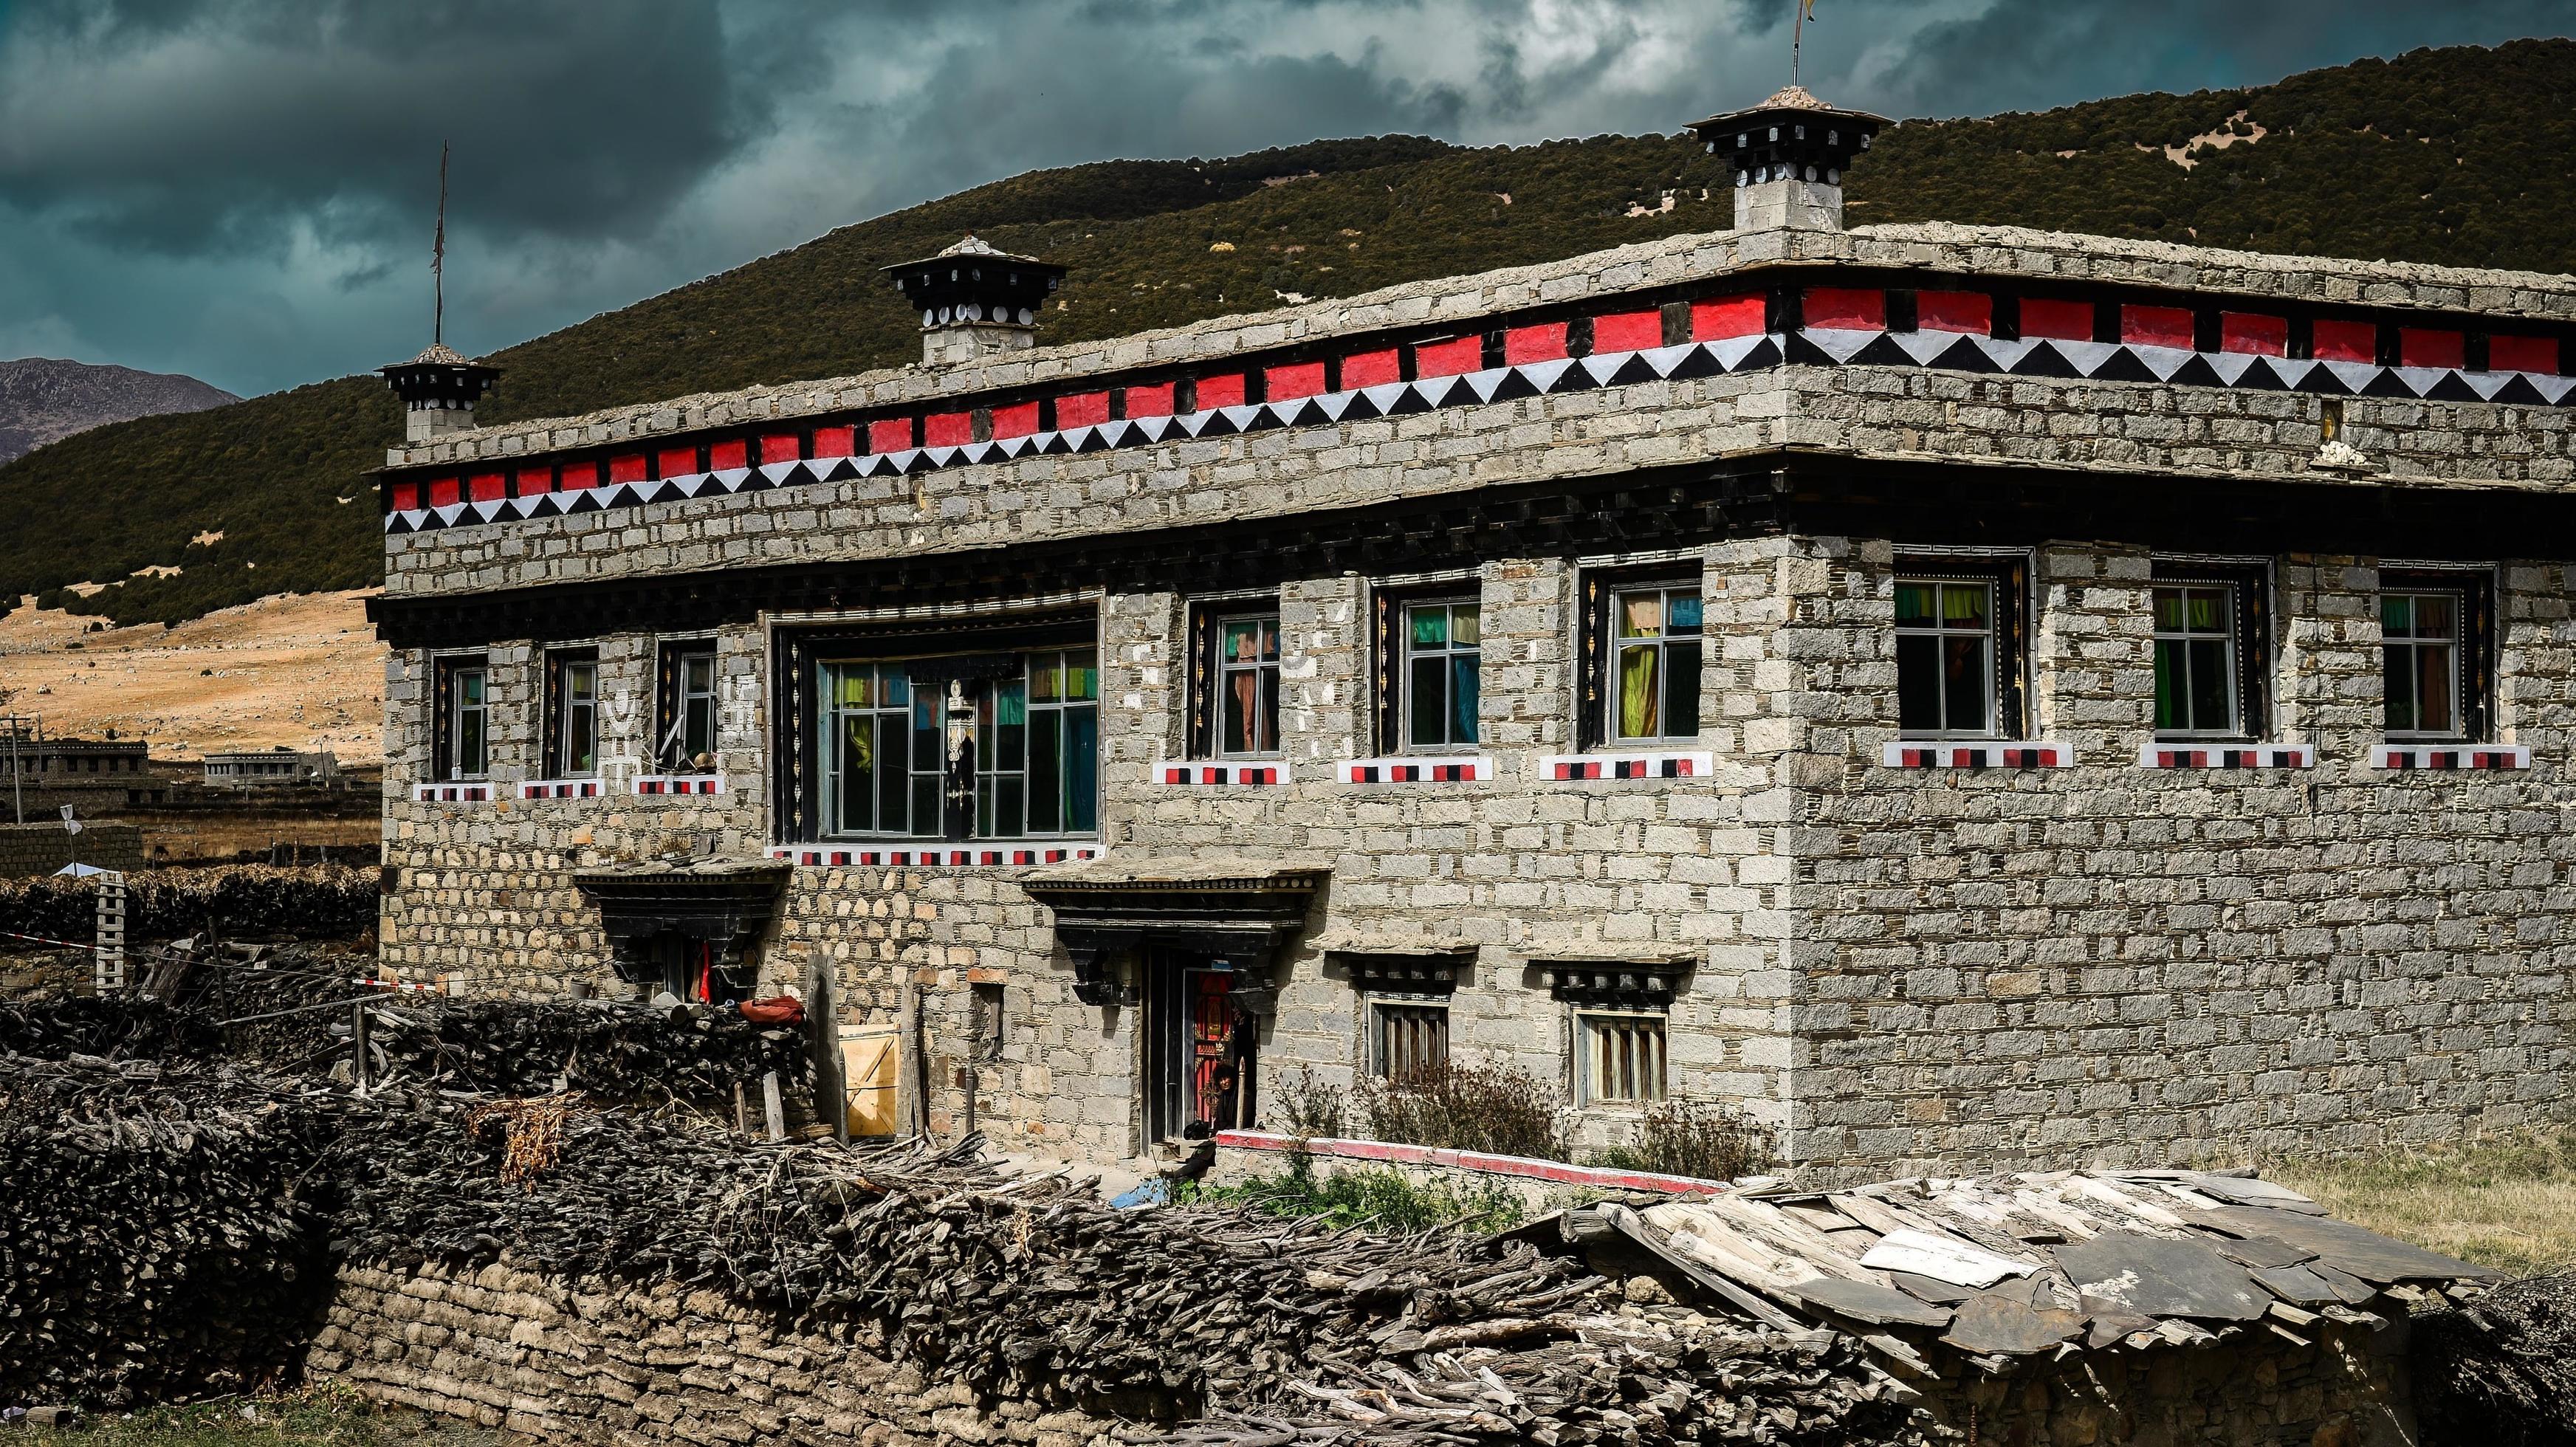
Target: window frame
[1378, 1011]
[2473, 651]
[1597, 725]
[561, 707]
[1587, 1023]
[985, 689]
[671, 703]
[2008, 629]
[447, 715]
[1395, 694]
[2249, 642]
[1209, 670]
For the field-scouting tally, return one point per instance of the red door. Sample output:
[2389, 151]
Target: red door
[1211, 1032]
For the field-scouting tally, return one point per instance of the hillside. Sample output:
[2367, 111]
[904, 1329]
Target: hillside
[44, 400]
[2456, 156]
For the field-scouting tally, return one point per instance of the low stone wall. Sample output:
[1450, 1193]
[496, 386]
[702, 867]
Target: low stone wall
[45, 847]
[606, 1362]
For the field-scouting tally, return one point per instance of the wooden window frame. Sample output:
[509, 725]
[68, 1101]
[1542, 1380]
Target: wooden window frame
[2249, 589]
[1206, 633]
[1393, 650]
[557, 718]
[1589, 1020]
[1381, 1012]
[671, 698]
[2009, 702]
[444, 719]
[1597, 699]
[2475, 652]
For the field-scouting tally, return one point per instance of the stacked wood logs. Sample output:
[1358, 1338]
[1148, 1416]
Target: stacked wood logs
[238, 901]
[2501, 1369]
[159, 1241]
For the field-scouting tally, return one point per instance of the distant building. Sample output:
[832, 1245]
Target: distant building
[1969, 695]
[64, 762]
[278, 766]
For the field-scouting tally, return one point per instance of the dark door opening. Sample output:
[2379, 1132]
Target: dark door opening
[692, 971]
[1200, 1049]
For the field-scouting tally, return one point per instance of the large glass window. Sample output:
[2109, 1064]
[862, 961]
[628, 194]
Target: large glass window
[468, 723]
[1035, 765]
[1441, 656]
[575, 695]
[1658, 651]
[1945, 657]
[2198, 684]
[1247, 686]
[2420, 652]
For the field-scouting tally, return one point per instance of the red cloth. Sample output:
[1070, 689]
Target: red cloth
[2156, 326]
[780, 447]
[1015, 421]
[2261, 335]
[679, 461]
[2522, 354]
[629, 468]
[1371, 369]
[532, 481]
[1453, 358]
[2425, 347]
[947, 429]
[1627, 332]
[404, 496]
[776, 1010]
[725, 456]
[1293, 380]
[488, 486]
[580, 475]
[1153, 401]
[2346, 342]
[1082, 409]
[445, 490]
[1225, 391]
[894, 434]
[835, 441]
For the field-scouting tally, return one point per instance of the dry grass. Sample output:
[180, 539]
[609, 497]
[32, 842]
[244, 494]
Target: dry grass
[2503, 1201]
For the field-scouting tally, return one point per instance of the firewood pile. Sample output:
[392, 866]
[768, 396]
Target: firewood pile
[160, 1241]
[2500, 1370]
[238, 901]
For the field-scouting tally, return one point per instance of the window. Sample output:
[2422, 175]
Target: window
[2437, 636]
[1247, 723]
[1234, 681]
[1619, 1059]
[461, 741]
[685, 709]
[1441, 641]
[2213, 650]
[1407, 1037]
[1034, 761]
[2196, 660]
[572, 712]
[1946, 657]
[1656, 644]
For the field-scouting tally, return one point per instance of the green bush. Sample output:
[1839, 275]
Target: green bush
[1378, 1197]
[1503, 1110]
[1698, 1138]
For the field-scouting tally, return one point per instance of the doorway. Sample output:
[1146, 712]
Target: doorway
[1200, 1048]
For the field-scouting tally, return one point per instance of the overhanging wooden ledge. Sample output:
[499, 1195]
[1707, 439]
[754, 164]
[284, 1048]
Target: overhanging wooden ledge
[1237, 910]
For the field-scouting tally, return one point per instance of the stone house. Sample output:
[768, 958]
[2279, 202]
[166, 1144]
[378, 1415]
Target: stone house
[1973, 696]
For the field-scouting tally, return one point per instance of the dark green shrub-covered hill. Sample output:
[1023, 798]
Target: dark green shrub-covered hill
[2462, 157]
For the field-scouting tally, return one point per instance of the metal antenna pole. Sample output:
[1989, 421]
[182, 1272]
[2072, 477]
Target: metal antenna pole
[17, 790]
[438, 257]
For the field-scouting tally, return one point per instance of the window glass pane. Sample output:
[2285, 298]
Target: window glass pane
[2170, 686]
[1464, 626]
[1239, 704]
[1638, 695]
[469, 758]
[1918, 683]
[894, 687]
[928, 821]
[2169, 607]
[1963, 605]
[1269, 709]
[1011, 711]
[2437, 616]
[2396, 615]
[1428, 701]
[1913, 603]
[1641, 615]
[2397, 676]
[1010, 807]
[469, 686]
[851, 686]
[894, 781]
[1681, 690]
[1081, 770]
[1682, 613]
[2212, 704]
[1046, 677]
[1243, 640]
[1082, 675]
[2435, 708]
[1462, 697]
[2208, 610]
[929, 746]
[855, 774]
[1430, 627]
[1963, 682]
[1046, 774]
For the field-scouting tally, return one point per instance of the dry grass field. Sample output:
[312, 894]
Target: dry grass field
[2508, 1202]
[303, 670]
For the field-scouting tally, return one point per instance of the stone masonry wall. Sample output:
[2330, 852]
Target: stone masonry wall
[45, 848]
[589, 1362]
[2109, 962]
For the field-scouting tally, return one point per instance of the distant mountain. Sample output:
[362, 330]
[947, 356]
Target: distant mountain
[2464, 157]
[43, 400]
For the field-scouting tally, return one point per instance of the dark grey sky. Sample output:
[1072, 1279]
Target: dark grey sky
[241, 189]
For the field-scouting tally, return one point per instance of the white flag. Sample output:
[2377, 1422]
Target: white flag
[70, 824]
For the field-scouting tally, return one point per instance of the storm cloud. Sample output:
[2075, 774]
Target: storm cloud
[242, 189]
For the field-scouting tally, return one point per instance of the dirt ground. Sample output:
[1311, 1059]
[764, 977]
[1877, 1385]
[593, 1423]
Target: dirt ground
[303, 670]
